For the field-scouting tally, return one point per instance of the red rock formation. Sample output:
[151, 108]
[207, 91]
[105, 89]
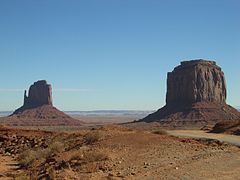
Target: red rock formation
[40, 93]
[196, 81]
[38, 109]
[229, 127]
[196, 95]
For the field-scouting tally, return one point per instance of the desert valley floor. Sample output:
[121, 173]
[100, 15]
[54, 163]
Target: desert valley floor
[114, 152]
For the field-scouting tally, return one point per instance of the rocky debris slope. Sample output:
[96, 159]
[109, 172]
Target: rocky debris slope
[196, 95]
[229, 127]
[15, 141]
[45, 115]
[38, 109]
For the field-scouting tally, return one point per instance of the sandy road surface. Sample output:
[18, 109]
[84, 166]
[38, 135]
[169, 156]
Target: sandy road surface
[235, 140]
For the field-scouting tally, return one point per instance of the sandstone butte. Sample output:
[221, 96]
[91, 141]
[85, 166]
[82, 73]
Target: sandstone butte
[196, 96]
[38, 109]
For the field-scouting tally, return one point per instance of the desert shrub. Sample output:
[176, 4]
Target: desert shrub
[56, 147]
[31, 156]
[92, 137]
[27, 158]
[94, 156]
[160, 132]
[90, 156]
[92, 161]
[89, 160]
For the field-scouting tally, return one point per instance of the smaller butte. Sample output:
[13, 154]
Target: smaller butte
[38, 109]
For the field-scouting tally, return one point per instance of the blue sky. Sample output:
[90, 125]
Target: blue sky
[112, 54]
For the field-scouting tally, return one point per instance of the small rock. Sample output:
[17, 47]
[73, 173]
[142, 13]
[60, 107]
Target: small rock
[8, 154]
[74, 161]
[110, 174]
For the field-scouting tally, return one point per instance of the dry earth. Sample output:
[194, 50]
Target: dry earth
[9, 168]
[116, 152]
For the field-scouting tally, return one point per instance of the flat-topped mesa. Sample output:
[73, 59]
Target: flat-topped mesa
[198, 61]
[196, 96]
[196, 81]
[40, 93]
[190, 63]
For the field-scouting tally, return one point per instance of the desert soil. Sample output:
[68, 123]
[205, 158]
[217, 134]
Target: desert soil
[8, 168]
[131, 154]
[142, 155]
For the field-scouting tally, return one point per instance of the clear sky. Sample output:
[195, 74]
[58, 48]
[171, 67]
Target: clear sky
[112, 54]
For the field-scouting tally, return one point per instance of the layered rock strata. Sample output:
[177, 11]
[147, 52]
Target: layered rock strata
[196, 95]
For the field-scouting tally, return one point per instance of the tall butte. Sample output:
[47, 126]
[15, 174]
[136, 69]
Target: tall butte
[38, 109]
[39, 94]
[196, 95]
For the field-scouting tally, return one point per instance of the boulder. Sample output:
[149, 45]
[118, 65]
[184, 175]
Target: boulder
[229, 127]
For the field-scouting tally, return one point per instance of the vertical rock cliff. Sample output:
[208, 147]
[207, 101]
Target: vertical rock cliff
[40, 93]
[196, 93]
[196, 81]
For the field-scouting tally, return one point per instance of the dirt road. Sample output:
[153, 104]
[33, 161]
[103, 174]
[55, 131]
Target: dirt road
[235, 140]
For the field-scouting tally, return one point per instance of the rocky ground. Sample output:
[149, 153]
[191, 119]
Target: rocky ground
[228, 127]
[114, 152]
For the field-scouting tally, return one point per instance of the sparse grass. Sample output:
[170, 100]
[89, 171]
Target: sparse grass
[56, 147]
[94, 156]
[90, 156]
[160, 132]
[92, 137]
[29, 157]
[90, 161]
[21, 177]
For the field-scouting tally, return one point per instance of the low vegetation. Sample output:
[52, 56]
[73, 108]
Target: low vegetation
[160, 132]
[29, 157]
[92, 137]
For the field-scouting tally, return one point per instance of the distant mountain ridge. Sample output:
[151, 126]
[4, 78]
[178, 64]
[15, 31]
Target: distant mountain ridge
[5, 113]
[112, 113]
